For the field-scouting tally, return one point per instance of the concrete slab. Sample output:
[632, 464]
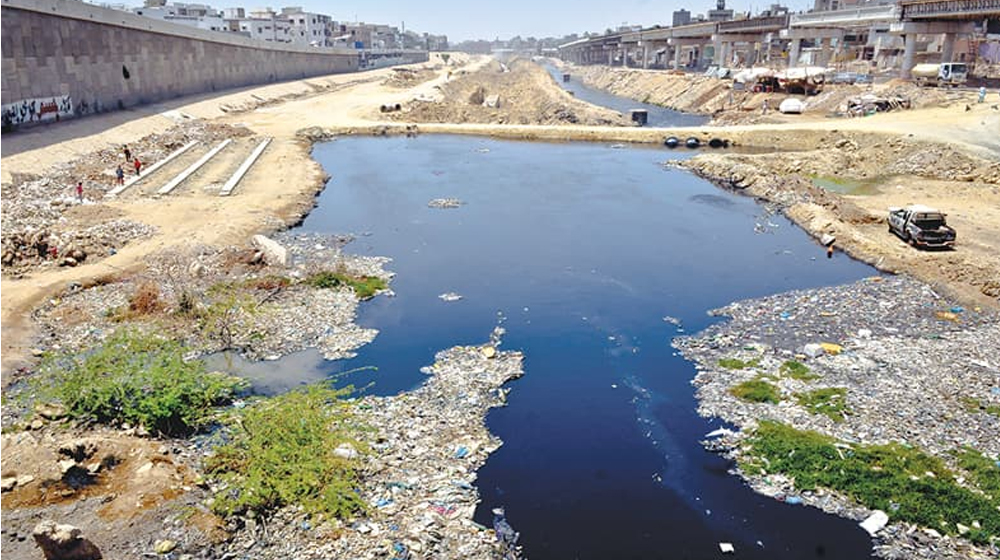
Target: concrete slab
[227, 189]
[149, 170]
[165, 189]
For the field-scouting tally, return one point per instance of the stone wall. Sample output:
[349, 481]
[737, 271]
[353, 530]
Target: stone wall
[65, 58]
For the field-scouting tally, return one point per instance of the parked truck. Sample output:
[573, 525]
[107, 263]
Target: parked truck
[921, 226]
[944, 74]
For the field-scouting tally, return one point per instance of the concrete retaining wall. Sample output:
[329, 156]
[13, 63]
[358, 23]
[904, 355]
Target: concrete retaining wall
[64, 58]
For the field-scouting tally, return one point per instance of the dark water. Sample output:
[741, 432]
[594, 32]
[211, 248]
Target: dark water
[582, 250]
[658, 116]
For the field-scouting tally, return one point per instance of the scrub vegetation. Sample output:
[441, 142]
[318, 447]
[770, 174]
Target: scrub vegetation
[757, 390]
[906, 483]
[283, 451]
[137, 378]
[797, 370]
[829, 401]
[364, 286]
[735, 363]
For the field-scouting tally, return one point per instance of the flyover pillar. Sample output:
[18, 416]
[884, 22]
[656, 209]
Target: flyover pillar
[645, 56]
[948, 47]
[677, 57]
[909, 49]
[794, 51]
[611, 57]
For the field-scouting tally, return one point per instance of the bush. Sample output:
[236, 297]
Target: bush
[830, 401]
[282, 452]
[733, 363]
[796, 370]
[757, 390]
[906, 483]
[364, 287]
[136, 378]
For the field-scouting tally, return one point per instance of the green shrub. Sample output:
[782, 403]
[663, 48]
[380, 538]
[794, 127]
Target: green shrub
[757, 390]
[796, 370]
[907, 484]
[137, 378]
[975, 405]
[734, 363]
[282, 452]
[830, 401]
[364, 286]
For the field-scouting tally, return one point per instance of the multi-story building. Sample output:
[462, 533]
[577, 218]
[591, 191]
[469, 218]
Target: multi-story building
[194, 15]
[263, 24]
[309, 28]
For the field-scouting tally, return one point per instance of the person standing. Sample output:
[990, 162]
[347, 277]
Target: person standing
[128, 153]
[79, 191]
[137, 164]
[120, 175]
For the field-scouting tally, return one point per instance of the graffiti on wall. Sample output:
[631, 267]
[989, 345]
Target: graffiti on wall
[37, 110]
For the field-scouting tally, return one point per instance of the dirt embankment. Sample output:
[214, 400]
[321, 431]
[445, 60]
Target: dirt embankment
[876, 171]
[519, 92]
[694, 93]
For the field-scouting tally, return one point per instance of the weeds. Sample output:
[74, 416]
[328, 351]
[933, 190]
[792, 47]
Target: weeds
[734, 363]
[136, 378]
[797, 370]
[364, 287]
[974, 405]
[757, 390]
[906, 483]
[829, 401]
[283, 452]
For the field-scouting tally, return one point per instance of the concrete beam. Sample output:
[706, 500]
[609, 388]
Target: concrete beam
[932, 27]
[165, 189]
[152, 168]
[234, 180]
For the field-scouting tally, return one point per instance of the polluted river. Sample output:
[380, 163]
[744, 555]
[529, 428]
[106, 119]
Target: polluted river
[593, 258]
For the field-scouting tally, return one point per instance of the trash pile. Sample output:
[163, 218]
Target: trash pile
[33, 247]
[419, 476]
[42, 211]
[869, 104]
[910, 361]
[445, 203]
[287, 318]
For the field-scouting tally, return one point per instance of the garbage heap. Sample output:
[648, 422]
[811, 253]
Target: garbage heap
[428, 444]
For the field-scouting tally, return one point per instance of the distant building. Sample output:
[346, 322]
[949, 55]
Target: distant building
[309, 28]
[720, 13]
[195, 15]
[681, 17]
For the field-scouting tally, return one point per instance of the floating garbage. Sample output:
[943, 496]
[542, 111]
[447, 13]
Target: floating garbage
[449, 296]
[727, 548]
[875, 522]
[445, 203]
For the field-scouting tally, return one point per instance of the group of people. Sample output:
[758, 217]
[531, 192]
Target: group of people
[134, 160]
[130, 158]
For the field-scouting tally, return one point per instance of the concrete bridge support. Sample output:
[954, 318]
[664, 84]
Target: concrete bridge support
[909, 50]
[794, 52]
[947, 47]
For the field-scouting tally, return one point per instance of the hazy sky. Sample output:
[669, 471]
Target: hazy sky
[471, 19]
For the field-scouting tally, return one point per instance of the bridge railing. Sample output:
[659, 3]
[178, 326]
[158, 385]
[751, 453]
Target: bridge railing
[852, 15]
[753, 24]
[950, 8]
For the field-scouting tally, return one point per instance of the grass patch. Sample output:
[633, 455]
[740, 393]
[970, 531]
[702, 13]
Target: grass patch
[975, 405]
[136, 378]
[829, 401]
[757, 390]
[364, 286]
[797, 370]
[907, 484]
[282, 452]
[734, 363]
